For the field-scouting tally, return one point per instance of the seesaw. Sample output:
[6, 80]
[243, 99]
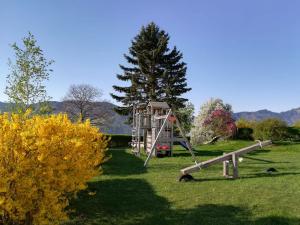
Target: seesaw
[226, 158]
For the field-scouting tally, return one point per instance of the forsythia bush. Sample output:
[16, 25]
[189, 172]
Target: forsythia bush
[44, 161]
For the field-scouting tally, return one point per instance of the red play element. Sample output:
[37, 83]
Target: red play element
[172, 118]
[162, 147]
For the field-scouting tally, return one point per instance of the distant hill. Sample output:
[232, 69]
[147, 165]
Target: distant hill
[115, 126]
[290, 116]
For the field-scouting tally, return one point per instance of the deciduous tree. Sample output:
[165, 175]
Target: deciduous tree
[201, 130]
[82, 102]
[26, 80]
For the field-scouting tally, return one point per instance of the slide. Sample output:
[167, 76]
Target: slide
[183, 144]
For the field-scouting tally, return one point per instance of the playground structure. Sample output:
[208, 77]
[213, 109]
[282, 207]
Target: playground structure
[227, 158]
[153, 130]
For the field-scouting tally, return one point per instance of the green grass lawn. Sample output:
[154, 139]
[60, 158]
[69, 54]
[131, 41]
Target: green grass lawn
[128, 193]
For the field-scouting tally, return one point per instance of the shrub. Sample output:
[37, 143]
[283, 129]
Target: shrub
[297, 124]
[119, 140]
[244, 133]
[292, 134]
[243, 123]
[272, 128]
[45, 161]
[245, 129]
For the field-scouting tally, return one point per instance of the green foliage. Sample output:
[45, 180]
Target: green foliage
[245, 129]
[274, 129]
[244, 133]
[186, 116]
[119, 140]
[156, 73]
[292, 134]
[297, 124]
[243, 123]
[25, 82]
[270, 129]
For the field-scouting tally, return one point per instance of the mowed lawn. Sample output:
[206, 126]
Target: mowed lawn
[128, 193]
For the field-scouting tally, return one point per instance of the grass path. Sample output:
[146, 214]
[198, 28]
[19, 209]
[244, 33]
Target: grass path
[127, 193]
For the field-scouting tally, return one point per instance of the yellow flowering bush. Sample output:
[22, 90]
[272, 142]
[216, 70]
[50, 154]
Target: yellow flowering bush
[44, 161]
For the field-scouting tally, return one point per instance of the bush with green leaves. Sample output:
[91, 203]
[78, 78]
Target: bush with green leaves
[186, 116]
[297, 124]
[244, 133]
[119, 140]
[292, 134]
[244, 123]
[245, 129]
[270, 129]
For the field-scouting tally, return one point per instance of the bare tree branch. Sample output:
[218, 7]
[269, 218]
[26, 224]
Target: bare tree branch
[82, 102]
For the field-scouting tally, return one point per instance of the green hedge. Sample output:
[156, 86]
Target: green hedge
[292, 134]
[123, 140]
[119, 140]
[244, 134]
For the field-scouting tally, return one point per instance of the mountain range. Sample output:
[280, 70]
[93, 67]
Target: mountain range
[117, 123]
[290, 116]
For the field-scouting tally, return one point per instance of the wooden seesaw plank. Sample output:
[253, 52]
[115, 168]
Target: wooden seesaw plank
[224, 157]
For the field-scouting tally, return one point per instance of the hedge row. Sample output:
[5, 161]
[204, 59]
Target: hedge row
[276, 134]
[119, 140]
[123, 140]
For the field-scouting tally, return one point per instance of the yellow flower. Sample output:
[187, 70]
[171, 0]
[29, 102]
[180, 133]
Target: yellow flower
[49, 155]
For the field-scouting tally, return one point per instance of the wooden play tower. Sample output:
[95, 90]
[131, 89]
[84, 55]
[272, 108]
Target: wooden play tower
[153, 130]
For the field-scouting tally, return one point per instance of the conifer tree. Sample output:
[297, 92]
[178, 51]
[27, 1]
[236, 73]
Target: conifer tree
[155, 73]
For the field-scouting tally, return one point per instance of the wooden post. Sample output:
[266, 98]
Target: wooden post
[225, 167]
[139, 134]
[172, 138]
[235, 160]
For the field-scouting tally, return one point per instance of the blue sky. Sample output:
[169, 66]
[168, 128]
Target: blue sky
[245, 52]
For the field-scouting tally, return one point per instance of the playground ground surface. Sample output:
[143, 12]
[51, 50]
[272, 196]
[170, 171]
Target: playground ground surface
[127, 193]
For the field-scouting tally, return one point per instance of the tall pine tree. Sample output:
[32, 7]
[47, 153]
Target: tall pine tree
[156, 73]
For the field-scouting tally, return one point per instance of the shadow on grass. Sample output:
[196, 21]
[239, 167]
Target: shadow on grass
[246, 176]
[121, 201]
[259, 151]
[197, 153]
[203, 152]
[133, 201]
[123, 163]
[284, 143]
[262, 160]
[257, 175]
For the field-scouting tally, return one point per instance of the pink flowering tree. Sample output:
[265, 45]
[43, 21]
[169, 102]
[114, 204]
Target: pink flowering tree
[220, 122]
[214, 119]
